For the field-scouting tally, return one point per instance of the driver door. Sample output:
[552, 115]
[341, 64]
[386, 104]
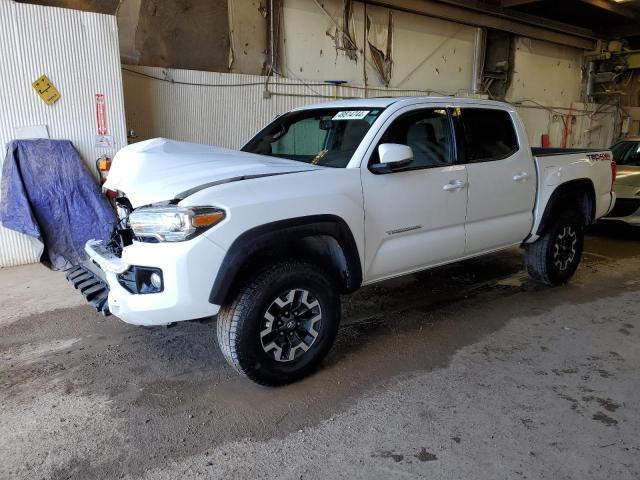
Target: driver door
[415, 216]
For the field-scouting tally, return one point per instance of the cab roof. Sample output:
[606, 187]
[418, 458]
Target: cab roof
[384, 102]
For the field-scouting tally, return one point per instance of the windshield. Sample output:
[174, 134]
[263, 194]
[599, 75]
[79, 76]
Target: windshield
[627, 153]
[324, 136]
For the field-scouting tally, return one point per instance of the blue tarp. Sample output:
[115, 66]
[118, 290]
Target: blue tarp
[48, 193]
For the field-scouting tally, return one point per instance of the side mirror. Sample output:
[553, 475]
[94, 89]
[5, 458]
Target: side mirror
[393, 156]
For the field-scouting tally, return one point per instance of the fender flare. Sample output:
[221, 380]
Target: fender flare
[567, 190]
[279, 232]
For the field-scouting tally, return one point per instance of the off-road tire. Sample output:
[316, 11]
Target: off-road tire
[541, 256]
[239, 323]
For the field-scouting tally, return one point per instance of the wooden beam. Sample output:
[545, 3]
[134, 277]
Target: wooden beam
[631, 30]
[517, 3]
[517, 15]
[614, 7]
[481, 15]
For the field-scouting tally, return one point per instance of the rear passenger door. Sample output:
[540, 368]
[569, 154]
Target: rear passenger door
[502, 178]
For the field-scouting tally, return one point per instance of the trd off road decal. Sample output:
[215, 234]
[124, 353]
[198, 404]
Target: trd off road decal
[599, 156]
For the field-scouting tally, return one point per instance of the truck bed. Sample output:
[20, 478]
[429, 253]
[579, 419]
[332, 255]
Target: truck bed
[558, 166]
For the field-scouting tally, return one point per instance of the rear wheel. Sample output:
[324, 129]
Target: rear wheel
[554, 257]
[281, 324]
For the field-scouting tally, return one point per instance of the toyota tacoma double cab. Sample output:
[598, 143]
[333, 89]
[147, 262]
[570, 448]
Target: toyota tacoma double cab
[324, 200]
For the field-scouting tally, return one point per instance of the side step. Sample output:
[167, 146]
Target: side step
[92, 287]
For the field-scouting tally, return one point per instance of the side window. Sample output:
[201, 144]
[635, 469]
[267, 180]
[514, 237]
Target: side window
[427, 132]
[487, 134]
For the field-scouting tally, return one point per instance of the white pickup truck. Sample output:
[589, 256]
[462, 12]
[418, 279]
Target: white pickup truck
[322, 201]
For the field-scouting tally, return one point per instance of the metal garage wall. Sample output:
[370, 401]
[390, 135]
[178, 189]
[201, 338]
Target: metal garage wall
[217, 108]
[590, 125]
[547, 72]
[215, 115]
[547, 86]
[429, 55]
[226, 109]
[427, 52]
[78, 51]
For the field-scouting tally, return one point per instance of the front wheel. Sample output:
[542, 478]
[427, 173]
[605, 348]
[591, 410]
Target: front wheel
[281, 324]
[554, 257]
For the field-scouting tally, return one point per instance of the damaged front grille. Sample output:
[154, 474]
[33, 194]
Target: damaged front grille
[123, 210]
[87, 278]
[122, 235]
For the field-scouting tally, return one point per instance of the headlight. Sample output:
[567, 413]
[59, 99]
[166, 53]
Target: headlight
[173, 224]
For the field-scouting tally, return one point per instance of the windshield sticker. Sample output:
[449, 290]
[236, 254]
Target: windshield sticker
[351, 115]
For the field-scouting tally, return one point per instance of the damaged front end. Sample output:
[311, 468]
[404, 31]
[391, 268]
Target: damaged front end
[89, 277]
[138, 275]
[91, 282]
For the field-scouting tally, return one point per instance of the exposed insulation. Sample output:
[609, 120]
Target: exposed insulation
[380, 39]
[341, 32]
[348, 43]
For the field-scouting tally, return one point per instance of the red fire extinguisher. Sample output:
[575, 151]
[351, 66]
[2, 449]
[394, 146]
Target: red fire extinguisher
[103, 165]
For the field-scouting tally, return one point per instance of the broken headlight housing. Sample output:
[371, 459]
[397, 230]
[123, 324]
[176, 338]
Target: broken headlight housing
[173, 223]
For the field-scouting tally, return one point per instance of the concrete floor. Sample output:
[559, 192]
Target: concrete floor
[467, 371]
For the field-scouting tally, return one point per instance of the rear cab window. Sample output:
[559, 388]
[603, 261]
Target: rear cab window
[485, 134]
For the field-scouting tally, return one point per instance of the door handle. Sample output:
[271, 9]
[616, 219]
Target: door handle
[520, 176]
[454, 185]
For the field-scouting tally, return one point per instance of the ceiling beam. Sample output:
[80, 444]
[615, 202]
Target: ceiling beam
[517, 3]
[474, 14]
[523, 17]
[624, 31]
[613, 7]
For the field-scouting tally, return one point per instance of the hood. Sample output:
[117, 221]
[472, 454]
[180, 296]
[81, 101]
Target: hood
[159, 170]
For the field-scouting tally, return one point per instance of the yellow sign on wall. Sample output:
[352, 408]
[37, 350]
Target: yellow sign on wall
[47, 91]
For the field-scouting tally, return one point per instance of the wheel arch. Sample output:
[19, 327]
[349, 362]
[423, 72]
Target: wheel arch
[581, 191]
[325, 240]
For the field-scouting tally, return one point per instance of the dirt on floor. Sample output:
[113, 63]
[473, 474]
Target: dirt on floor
[466, 371]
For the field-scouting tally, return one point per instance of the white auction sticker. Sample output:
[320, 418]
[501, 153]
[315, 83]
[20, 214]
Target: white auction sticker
[351, 115]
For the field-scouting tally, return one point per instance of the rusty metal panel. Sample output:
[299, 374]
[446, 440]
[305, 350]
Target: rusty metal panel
[190, 34]
[78, 51]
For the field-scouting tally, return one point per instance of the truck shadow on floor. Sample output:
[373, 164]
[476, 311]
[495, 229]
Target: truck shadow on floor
[384, 325]
[615, 230]
[426, 306]
[172, 386]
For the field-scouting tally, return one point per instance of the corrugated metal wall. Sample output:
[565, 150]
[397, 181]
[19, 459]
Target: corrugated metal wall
[217, 108]
[183, 108]
[195, 106]
[78, 51]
